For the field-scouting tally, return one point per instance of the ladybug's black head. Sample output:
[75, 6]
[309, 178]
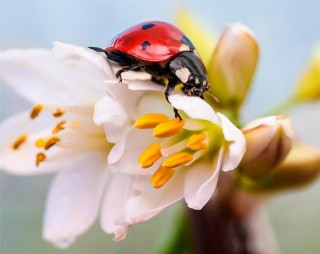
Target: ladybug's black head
[189, 69]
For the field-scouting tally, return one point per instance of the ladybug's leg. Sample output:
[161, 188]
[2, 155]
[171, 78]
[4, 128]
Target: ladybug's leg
[127, 68]
[169, 88]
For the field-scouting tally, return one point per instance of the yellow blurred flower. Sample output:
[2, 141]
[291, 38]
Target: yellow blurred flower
[308, 88]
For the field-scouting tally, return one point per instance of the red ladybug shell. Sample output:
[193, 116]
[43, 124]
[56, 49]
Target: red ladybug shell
[152, 41]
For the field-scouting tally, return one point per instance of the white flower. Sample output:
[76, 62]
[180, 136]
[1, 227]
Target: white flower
[163, 160]
[59, 134]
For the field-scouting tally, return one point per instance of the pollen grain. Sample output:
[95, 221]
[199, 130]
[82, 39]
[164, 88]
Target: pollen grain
[40, 157]
[19, 141]
[36, 111]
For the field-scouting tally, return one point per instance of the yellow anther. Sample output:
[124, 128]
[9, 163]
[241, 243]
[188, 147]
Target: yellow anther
[196, 142]
[161, 177]
[59, 127]
[19, 141]
[35, 111]
[177, 160]
[150, 155]
[59, 112]
[40, 143]
[169, 128]
[51, 141]
[40, 157]
[150, 120]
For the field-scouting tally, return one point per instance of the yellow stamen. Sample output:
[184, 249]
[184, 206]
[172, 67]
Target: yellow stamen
[150, 155]
[51, 141]
[169, 128]
[161, 177]
[40, 143]
[150, 120]
[19, 141]
[35, 111]
[40, 157]
[59, 127]
[177, 160]
[196, 142]
[59, 112]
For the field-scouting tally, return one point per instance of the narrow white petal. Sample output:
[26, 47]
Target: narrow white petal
[201, 181]
[40, 77]
[73, 200]
[236, 147]
[114, 205]
[97, 59]
[194, 107]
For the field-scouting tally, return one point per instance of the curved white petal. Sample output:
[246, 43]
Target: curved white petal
[194, 107]
[236, 147]
[98, 60]
[113, 211]
[73, 200]
[149, 201]
[201, 181]
[41, 77]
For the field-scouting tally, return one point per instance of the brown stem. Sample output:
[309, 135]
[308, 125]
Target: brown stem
[232, 223]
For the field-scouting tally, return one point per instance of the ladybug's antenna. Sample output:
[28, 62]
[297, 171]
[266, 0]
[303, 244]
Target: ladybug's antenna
[216, 100]
[97, 49]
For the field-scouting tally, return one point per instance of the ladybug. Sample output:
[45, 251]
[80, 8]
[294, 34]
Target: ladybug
[163, 51]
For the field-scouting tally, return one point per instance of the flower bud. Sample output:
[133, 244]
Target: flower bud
[308, 88]
[233, 65]
[269, 140]
[300, 167]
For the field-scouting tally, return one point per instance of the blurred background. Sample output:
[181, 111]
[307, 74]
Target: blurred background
[287, 32]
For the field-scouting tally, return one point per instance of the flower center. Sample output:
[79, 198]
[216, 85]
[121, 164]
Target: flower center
[45, 143]
[177, 147]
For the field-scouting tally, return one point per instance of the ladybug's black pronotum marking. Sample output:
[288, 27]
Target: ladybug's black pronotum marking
[163, 51]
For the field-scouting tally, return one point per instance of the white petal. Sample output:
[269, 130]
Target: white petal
[201, 181]
[113, 211]
[146, 85]
[73, 200]
[40, 77]
[236, 147]
[62, 49]
[111, 114]
[194, 107]
[149, 202]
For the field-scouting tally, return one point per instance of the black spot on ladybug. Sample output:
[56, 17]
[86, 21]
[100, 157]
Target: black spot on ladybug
[185, 40]
[145, 44]
[147, 26]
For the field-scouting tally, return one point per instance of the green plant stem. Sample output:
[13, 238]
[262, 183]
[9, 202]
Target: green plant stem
[181, 242]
